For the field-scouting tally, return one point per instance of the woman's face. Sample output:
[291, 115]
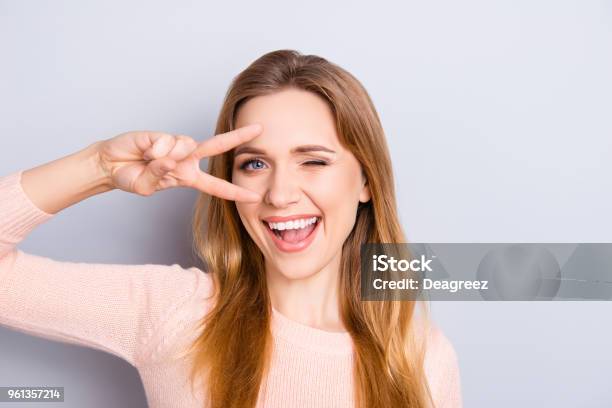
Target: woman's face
[324, 181]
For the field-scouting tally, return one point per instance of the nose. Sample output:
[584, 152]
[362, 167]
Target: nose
[282, 190]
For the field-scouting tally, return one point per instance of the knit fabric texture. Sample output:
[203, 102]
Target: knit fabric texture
[144, 313]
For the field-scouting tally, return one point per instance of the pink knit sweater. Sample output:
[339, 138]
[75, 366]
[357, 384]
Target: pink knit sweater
[141, 313]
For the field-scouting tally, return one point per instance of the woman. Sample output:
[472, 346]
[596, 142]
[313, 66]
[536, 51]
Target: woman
[301, 177]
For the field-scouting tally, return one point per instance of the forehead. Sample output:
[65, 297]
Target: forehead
[289, 117]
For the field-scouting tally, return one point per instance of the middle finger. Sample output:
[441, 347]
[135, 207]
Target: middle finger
[224, 189]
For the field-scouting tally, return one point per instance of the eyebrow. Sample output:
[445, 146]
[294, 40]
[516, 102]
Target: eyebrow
[298, 149]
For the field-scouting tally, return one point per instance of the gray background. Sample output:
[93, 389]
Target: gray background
[497, 114]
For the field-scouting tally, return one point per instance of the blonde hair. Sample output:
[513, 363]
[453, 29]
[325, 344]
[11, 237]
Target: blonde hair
[233, 351]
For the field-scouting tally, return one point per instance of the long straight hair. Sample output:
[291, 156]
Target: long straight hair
[232, 353]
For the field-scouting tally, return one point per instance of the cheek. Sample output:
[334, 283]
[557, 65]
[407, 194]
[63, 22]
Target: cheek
[242, 214]
[255, 183]
[246, 213]
[236, 178]
[338, 189]
[338, 196]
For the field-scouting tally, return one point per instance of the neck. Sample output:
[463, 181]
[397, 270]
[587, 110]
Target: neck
[312, 300]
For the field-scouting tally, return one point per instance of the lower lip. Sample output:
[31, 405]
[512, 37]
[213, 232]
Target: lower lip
[291, 247]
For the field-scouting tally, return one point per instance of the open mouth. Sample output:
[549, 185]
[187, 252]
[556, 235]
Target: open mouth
[293, 236]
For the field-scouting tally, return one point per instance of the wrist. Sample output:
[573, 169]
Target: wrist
[100, 173]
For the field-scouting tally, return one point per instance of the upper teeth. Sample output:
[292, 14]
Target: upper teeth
[294, 224]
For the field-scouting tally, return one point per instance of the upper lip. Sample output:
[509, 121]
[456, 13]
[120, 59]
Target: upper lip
[290, 217]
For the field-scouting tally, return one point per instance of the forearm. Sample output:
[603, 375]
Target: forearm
[66, 181]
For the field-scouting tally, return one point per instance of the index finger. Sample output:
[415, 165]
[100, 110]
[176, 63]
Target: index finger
[226, 141]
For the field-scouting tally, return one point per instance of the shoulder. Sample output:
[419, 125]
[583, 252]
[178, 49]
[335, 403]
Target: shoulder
[176, 285]
[439, 350]
[442, 368]
[184, 289]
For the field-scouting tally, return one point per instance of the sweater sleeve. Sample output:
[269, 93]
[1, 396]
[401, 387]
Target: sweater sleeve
[110, 307]
[442, 366]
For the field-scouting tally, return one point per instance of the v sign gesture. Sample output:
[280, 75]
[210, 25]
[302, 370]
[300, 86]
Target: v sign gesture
[144, 162]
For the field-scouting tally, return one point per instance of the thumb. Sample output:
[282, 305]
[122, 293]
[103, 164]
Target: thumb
[148, 182]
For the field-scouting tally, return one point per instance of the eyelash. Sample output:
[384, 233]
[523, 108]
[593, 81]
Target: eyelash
[310, 162]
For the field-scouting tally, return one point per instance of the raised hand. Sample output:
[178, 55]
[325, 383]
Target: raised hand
[143, 162]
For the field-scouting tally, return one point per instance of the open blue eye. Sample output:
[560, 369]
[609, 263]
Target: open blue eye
[244, 165]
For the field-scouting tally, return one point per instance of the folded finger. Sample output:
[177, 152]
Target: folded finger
[162, 145]
[148, 181]
[183, 147]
